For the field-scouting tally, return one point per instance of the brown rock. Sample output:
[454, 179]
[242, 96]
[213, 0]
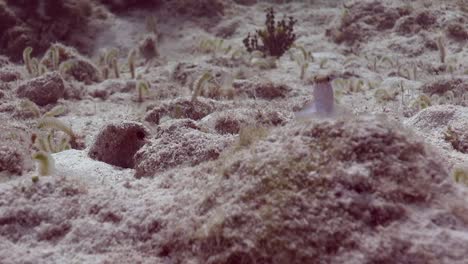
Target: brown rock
[117, 143]
[82, 70]
[9, 75]
[43, 90]
[457, 31]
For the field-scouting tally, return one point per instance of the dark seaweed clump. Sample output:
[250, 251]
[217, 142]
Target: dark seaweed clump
[276, 38]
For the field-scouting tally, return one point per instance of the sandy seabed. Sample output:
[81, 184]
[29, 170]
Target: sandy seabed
[143, 171]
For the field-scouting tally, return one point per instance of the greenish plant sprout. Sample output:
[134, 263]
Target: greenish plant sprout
[51, 59]
[238, 54]
[372, 85]
[452, 65]
[55, 57]
[442, 50]
[36, 67]
[259, 60]
[356, 85]
[29, 106]
[387, 60]
[200, 84]
[214, 46]
[421, 102]
[54, 123]
[110, 55]
[349, 86]
[115, 66]
[415, 72]
[350, 60]
[42, 69]
[142, 89]
[47, 142]
[408, 73]
[27, 59]
[226, 86]
[452, 136]
[65, 67]
[450, 96]
[375, 62]
[402, 91]
[45, 162]
[151, 25]
[55, 111]
[464, 99]
[109, 60]
[460, 175]
[264, 63]
[344, 15]
[323, 62]
[441, 100]
[35, 178]
[33, 66]
[105, 72]
[382, 95]
[302, 59]
[131, 63]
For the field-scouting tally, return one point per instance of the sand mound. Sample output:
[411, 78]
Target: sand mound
[339, 182]
[355, 191]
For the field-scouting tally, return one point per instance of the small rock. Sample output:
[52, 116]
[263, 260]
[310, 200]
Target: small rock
[457, 31]
[82, 70]
[9, 75]
[43, 90]
[117, 143]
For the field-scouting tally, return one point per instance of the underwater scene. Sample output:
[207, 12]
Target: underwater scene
[233, 131]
